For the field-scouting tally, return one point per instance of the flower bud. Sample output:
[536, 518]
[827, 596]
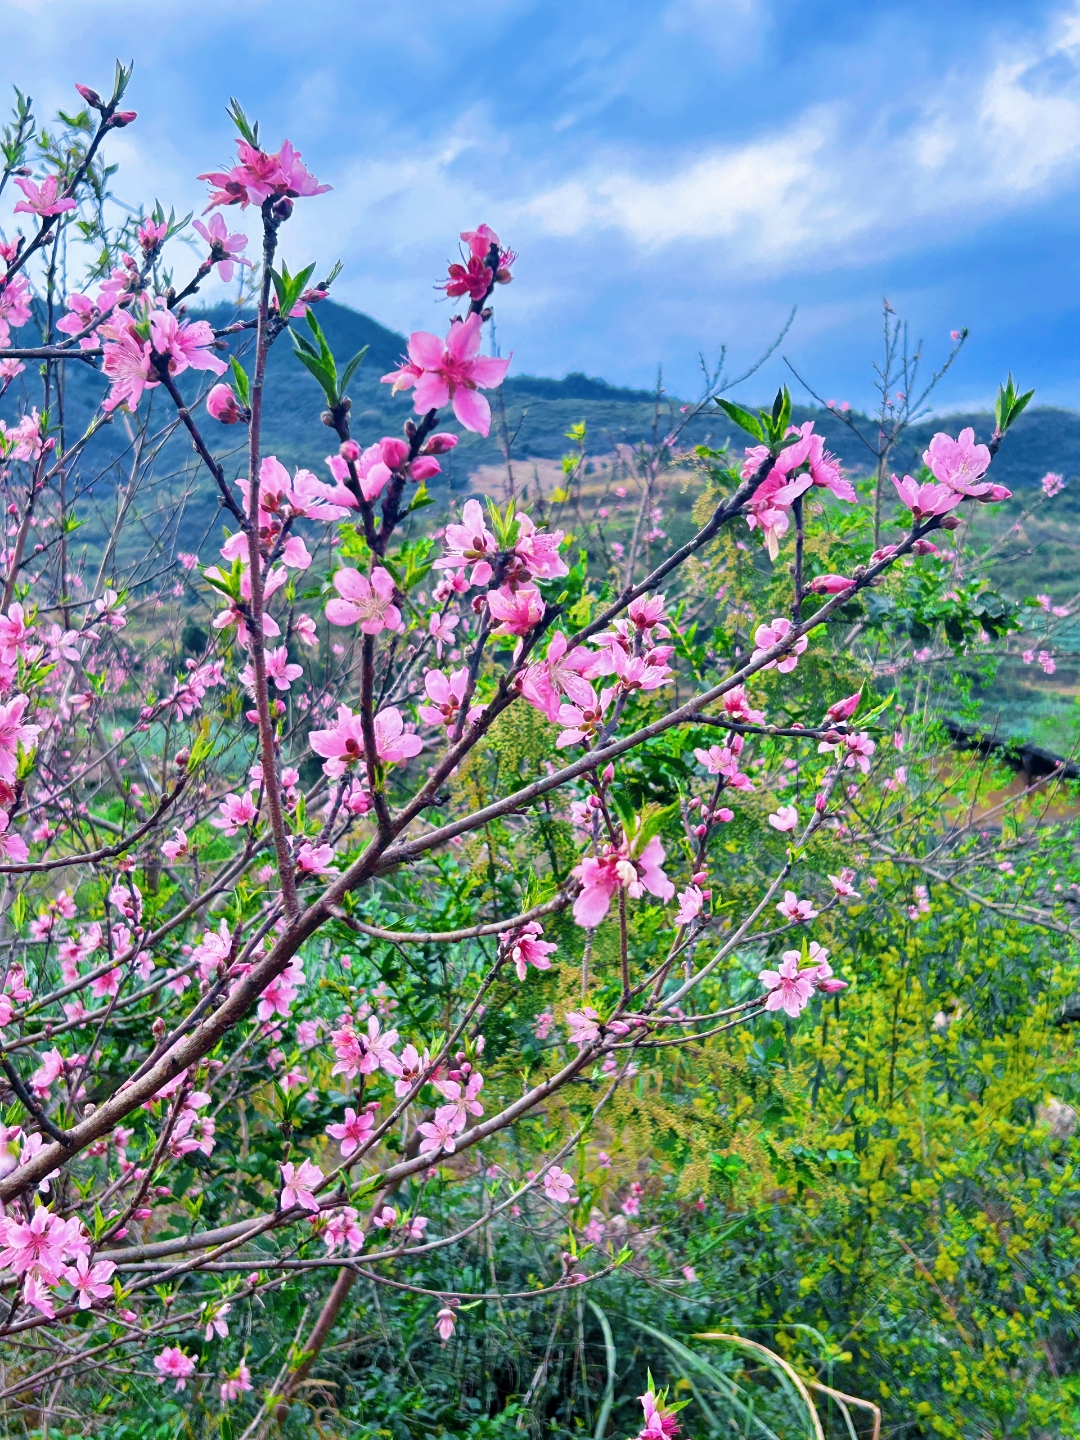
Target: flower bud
[181, 758]
[122, 118]
[607, 775]
[951, 522]
[158, 1029]
[699, 877]
[394, 452]
[833, 985]
[819, 804]
[700, 830]
[223, 405]
[282, 208]
[90, 95]
[424, 467]
[349, 450]
[440, 443]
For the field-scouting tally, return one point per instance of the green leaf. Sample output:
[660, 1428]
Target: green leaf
[1009, 405]
[247, 131]
[240, 380]
[650, 822]
[326, 377]
[121, 77]
[721, 1383]
[326, 354]
[1020, 405]
[420, 501]
[289, 288]
[352, 367]
[624, 806]
[742, 418]
[611, 1356]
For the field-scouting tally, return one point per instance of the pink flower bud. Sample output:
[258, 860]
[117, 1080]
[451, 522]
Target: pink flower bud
[830, 584]
[832, 985]
[819, 804]
[394, 453]
[122, 118]
[222, 404]
[844, 709]
[424, 467]
[699, 878]
[700, 830]
[90, 95]
[440, 443]
[349, 450]
[951, 522]
[725, 814]
[608, 773]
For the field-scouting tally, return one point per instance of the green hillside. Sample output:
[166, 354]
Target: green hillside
[181, 509]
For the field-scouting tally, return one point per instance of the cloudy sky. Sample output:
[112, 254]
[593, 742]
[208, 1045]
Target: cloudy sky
[676, 174]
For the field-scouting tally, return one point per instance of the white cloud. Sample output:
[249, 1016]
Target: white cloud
[987, 137]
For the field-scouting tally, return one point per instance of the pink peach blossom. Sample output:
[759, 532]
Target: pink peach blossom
[446, 694]
[559, 673]
[789, 988]
[538, 551]
[766, 636]
[525, 947]
[236, 1383]
[369, 603]
[259, 175]
[187, 344]
[470, 543]
[616, 869]
[91, 1282]
[517, 611]
[690, 903]
[299, 1181]
[343, 743]
[237, 811]
[786, 817]
[559, 1185]
[925, 500]
[173, 1364]
[225, 249]
[44, 199]
[792, 908]
[960, 464]
[353, 1133]
[451, 372]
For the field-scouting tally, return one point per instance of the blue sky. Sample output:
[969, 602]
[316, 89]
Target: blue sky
[675, 174]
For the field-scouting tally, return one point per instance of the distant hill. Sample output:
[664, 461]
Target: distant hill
[539, 411]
